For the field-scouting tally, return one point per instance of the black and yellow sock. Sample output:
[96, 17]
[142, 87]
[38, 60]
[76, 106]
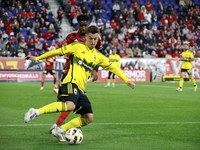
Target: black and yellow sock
[53, 107]
[74, 123]
[193, 81]
[181, 82]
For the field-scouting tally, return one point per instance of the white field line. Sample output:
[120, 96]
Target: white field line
[136, 123]
[123, 84]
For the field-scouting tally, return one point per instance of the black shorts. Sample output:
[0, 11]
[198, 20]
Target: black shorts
[189, 71]
[46, 71]
[70, 92]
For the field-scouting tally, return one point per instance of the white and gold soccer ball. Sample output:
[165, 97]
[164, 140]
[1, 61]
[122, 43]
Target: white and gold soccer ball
[74, 136]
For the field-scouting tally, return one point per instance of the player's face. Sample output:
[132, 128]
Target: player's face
[82, 26]
[114, 51]
[91, 40]
[186, 46]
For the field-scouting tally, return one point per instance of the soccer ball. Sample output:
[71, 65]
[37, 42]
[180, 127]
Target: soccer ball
[74, 136]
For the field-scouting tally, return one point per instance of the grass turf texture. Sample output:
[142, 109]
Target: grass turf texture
[151, 117]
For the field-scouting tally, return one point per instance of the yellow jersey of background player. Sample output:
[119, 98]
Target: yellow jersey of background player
[187, 55]
[114, 58]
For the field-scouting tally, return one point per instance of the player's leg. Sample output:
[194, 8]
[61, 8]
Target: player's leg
[108, 80]
[53, 73]
[181, 80]
[113, 80]
[54, 80]
[50, 108]
[60, 120]
[193, 81]
[67, 102]
[84, 108]
[43, 78]
[78, 122]
[63, 115]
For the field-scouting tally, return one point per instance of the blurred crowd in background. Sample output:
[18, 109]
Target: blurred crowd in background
[137, 28]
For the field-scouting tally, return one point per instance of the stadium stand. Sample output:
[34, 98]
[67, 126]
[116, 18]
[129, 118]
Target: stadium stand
[159, 27]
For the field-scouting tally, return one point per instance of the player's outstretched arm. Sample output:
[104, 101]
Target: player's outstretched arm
[131, 84]
[30, 58]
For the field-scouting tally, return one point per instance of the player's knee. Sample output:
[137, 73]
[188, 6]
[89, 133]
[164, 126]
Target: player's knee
[88, 117]
[70, 106]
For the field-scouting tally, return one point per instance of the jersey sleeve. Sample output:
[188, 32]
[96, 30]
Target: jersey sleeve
[104, 62]
[60, 51]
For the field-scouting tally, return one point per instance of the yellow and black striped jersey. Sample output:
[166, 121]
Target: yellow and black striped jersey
[188, 55]
[115, 59]
[83, 62]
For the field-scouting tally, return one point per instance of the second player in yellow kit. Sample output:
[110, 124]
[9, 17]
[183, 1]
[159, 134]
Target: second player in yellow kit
[186, 57]
[114, 58]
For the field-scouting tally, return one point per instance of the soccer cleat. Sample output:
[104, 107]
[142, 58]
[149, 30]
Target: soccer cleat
[31, 114]
[195, 88]
[55, 91]
[52, 127]
[179, 89]
[42, 88]
[113, 85]
[58, 133]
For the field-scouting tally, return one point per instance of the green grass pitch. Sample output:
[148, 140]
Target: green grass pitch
[153, 116]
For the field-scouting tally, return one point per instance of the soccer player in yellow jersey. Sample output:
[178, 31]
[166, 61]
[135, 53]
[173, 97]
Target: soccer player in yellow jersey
[115, 59]
[186, 56]
[71, 93]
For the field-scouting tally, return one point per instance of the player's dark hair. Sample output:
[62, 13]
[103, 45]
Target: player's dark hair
[82, 17]
[92, 29]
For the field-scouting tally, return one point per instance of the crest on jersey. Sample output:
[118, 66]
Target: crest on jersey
[95, 57]
[75, 91]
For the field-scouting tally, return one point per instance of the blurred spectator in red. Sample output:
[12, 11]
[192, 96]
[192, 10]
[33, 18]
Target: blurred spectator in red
[10, 29]
[135, 6]
[73, 2]
[140, 15]
[193, 41]
[113, 24]
[45, 45]
[31, 14]
[60, 14]
[24, 13]
[163, 20]
[148, 6]
[176, 54]
[48, 35]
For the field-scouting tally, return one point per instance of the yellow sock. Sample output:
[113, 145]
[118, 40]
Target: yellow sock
[108, 80]
[53, 107]
[74, 123]
[113, 80]
[193, 81]
[181, 82]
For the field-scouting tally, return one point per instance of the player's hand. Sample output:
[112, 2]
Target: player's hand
[131, 84]
[48, 63]
[94, 75]
[30, 58]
